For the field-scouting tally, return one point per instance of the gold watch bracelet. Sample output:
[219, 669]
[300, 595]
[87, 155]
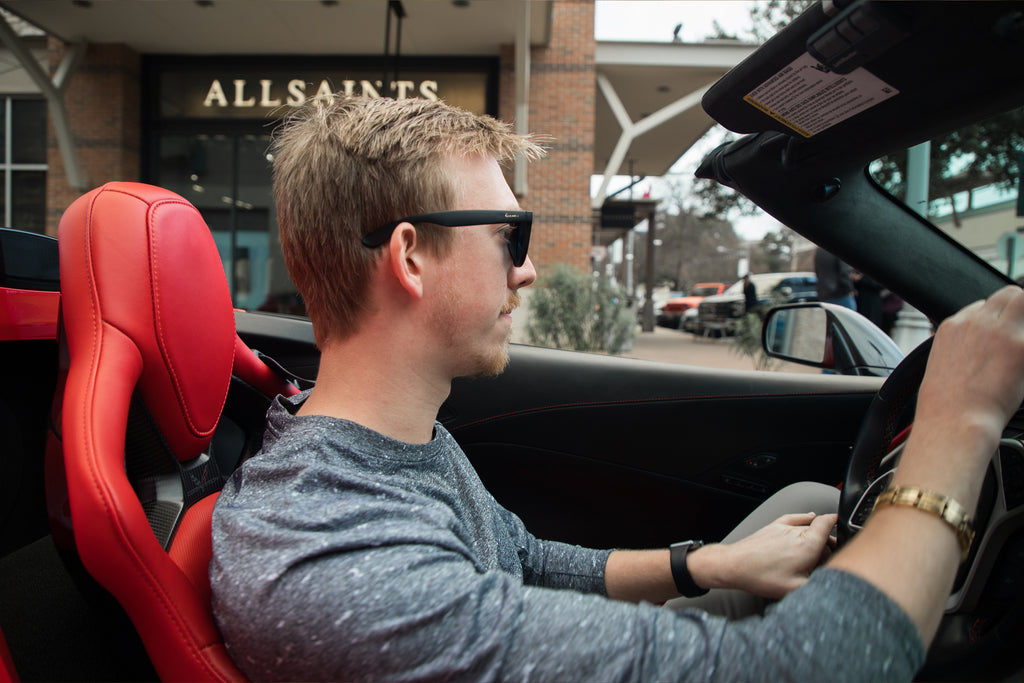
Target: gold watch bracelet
[944, 507]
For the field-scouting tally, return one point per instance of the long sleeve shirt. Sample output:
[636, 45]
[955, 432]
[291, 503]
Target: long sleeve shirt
[341, 554]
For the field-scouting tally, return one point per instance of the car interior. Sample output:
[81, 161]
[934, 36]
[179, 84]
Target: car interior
[154, 389]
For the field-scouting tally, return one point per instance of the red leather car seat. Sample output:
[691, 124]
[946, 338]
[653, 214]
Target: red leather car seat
[150, 333]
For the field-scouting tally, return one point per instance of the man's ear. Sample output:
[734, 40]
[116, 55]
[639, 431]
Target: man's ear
[406, 252]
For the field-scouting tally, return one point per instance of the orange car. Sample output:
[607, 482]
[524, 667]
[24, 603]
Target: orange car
[671, 314]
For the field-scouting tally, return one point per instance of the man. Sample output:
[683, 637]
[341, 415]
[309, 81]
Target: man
[360, 545]
[750, 302]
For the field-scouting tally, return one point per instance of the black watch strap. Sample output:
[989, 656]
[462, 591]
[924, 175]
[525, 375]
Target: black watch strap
[680, 573]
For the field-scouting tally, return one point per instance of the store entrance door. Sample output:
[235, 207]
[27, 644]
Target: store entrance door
[228, 178]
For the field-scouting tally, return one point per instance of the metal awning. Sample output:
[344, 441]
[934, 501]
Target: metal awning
[648, 111]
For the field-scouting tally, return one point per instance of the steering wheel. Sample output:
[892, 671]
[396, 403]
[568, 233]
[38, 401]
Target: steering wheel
[960, 646]
[889, 413]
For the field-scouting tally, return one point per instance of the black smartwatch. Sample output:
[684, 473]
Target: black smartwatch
[680, 574]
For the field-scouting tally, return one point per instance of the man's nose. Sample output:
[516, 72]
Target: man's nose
[522, 276]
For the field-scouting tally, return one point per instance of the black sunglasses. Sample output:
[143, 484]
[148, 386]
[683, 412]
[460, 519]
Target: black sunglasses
[518, 242]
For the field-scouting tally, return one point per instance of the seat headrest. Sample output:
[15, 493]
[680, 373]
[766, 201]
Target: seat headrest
[144, 290]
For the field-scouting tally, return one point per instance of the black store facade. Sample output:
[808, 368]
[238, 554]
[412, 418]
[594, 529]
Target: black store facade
[207, 126]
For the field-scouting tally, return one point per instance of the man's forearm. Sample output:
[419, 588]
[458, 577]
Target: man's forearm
[636, 575]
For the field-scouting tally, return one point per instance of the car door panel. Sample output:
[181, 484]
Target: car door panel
[620, 452]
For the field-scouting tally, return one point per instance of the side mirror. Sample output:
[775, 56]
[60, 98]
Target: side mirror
[829, 337]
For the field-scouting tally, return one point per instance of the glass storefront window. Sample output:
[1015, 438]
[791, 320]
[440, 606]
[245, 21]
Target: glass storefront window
[28, 131]
[28, 193]
[228, 178]
[23, 163]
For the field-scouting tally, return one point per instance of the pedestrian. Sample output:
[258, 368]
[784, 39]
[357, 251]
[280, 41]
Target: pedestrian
[750, 301]
[869, 297]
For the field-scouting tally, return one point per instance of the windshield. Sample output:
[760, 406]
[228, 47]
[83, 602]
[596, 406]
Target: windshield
[704, 291]
[763, 285]
[735, 288]
[966, 183]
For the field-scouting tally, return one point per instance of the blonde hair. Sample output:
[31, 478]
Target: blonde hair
[344, 166]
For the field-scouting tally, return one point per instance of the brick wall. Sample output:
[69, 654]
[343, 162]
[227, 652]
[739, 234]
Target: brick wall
[104, 108]
[562, 107]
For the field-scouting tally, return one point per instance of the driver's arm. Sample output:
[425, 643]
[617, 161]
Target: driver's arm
[770, 562]
[972, 387]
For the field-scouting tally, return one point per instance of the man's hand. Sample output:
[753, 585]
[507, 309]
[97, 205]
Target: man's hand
[973, 385]
[770, 562]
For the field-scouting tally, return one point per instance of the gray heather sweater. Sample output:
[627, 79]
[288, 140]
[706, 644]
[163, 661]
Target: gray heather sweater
[340, 554]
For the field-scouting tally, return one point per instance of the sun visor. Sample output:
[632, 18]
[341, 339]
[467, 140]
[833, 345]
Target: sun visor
[863, 69]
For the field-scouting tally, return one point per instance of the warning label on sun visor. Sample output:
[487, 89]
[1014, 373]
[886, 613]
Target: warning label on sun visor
[809, 98]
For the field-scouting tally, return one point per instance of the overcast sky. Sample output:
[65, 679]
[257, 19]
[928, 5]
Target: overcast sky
[655, 20]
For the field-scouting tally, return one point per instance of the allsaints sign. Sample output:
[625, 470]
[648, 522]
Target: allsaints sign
[251, 91]
[240, 92]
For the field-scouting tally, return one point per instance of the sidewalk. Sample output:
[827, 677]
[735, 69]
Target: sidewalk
[674, 346]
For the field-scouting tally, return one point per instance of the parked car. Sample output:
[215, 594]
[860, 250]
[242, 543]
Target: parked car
[689, 321]
[671, 313]
[719, 313]
[577, 444]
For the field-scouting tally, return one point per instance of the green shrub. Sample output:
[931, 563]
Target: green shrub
[570, 309]
[746, 340]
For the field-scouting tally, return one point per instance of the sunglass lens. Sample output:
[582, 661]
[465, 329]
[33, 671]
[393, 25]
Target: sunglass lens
[518, 245]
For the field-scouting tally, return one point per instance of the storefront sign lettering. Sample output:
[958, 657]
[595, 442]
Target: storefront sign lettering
[241, 93]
